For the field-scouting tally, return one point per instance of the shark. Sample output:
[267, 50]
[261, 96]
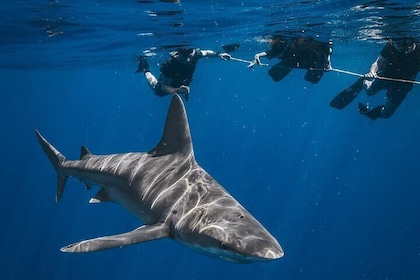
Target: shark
[168, 191]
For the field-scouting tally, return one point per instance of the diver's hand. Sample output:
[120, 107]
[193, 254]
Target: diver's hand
[256, 60]
[328, 67]
[183, 90]
[225, 56]
[370, 75]
[250, 65]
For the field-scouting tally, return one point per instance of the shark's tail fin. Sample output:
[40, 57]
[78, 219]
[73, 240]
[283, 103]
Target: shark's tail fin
[57, 160]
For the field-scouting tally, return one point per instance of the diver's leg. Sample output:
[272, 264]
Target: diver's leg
[314, 76]
[279, 71]
[372, 87]
[154, 84]
[394, 98]
[143, 66]
[151, 80]
[372, 114]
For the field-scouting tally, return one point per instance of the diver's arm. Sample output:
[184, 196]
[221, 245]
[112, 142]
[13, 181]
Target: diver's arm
[210, 53]
[375, 67]
[257, 59]
[261, 54]
[171, 90]
[328, 67]
[165, 86]
[168, 89]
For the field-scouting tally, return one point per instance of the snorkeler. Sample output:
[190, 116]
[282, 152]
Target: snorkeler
[177, 72]
[398, 60]
[302, 53]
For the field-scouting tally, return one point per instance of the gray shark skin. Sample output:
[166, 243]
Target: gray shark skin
[168, 191]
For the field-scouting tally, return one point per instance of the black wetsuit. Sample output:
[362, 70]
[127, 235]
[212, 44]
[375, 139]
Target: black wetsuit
[179, 73]
[307, 53]
[398, 66]
[303, 53]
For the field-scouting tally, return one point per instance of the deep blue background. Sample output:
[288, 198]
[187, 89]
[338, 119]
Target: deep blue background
[339, 191]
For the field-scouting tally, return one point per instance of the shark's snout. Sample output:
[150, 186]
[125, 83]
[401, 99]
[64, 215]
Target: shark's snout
[264, 249]
[272, 253]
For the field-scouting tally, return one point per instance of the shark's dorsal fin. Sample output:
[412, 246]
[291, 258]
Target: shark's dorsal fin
[176, 136]
[84, 152]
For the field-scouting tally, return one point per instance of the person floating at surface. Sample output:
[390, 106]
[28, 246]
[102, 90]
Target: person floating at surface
[177, 72]
[400, 60]
[303, 53]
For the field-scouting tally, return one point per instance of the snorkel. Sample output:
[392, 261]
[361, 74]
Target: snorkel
[184, 54]
[404, 45]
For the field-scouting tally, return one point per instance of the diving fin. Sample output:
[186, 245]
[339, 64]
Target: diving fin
[345, 97]
[373, 114]
[279, 71]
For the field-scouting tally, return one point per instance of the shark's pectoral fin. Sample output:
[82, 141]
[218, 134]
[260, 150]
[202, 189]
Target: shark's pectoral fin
[139, 235]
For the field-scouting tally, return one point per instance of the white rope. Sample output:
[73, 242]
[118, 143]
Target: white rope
[240, 60]
[379, 77]
[339, 71]
[246, 61]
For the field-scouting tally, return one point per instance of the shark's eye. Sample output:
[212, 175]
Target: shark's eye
[224, 246]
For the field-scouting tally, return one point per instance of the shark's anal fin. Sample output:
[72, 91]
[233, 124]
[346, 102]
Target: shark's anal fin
[101, 196]
[139, 235]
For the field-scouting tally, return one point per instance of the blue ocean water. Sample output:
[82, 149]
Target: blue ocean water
[340, 192]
